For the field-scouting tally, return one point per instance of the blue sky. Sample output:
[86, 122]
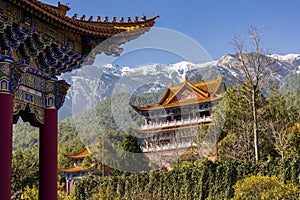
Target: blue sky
[211, 23]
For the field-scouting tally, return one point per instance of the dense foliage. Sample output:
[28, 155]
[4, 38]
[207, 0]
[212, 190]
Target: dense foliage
[202, 179]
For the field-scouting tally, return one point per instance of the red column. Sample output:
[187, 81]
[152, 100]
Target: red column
[6, 121]
[48, 156]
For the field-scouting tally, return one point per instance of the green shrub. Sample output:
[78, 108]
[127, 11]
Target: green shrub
[263, 187]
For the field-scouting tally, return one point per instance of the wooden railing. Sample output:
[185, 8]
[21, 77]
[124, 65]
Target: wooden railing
[176, 123]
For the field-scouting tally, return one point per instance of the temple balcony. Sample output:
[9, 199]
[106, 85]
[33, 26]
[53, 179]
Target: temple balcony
[167, 124]
[168, 147]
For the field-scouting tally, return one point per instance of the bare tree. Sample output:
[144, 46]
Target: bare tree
[255, 66]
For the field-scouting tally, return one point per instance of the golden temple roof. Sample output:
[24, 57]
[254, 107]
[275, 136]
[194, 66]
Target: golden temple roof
[76, 168]
[188, 93]
[105, 28]
[81, 154]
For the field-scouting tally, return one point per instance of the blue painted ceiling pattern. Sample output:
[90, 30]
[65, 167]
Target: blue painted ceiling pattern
[51, 57]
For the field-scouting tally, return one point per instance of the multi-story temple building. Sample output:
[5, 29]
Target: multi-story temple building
[77, 171]
[172, 122]
[38, 43]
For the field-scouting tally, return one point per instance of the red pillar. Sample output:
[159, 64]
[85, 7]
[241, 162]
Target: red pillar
[6, 121]
[48, 156]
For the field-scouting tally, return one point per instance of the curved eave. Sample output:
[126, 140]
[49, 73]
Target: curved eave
[136, 108]
[81, 154]
[102, 29]
[121, 25]
[177, 104]
[76, 169]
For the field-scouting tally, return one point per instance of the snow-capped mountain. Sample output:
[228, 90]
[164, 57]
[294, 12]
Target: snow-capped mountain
[92, 84]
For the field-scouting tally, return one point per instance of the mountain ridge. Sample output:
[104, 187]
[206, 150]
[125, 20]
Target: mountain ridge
[91, 84]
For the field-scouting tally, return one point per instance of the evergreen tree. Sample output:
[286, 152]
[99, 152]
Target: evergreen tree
[281, 123]
[132, 158]
[24, 171]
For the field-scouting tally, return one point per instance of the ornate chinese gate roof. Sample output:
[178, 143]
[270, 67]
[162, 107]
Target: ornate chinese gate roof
[38, 42]
[44, 37]
[92, 26]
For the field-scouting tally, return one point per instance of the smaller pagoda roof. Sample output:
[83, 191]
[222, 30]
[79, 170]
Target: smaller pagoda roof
[81, 154]
[187, 93]
[76, 169]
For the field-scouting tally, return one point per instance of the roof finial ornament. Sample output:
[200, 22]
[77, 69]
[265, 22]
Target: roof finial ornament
[98, 19]
[90, 19]
[186, 78]
[105, 19]
[128, 19]
[83, 17]
[75, 16]
[144, 17]
[136, 19]
[114, 19]
[121, 19]
[63, 8]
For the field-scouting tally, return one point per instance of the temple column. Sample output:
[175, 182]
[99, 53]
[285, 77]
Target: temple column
[54, 99]
[6, 122]
[67, 185]
[8, 83]
[71, 185]
[48, 156]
